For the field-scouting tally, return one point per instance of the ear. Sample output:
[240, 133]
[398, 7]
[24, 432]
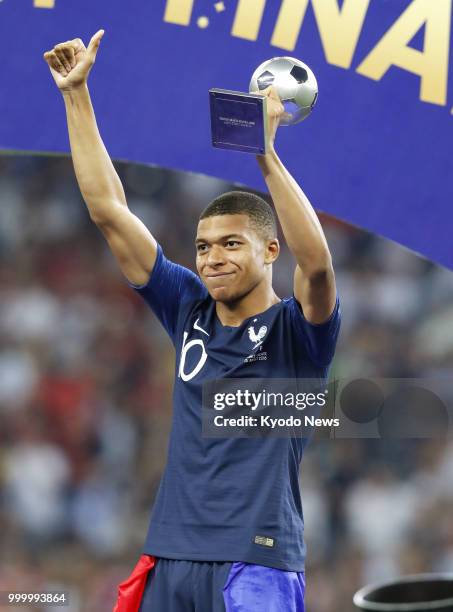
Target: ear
[272, 250]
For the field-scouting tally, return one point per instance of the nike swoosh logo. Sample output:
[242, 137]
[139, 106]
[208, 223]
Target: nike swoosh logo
[196, 326]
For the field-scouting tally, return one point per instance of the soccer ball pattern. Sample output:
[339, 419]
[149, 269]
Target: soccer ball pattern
[295, 83]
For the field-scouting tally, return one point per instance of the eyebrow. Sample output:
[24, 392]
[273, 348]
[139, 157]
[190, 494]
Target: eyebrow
[222, 238]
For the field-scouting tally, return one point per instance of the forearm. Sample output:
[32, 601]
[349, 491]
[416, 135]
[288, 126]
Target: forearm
[301, 227]
[98, 180]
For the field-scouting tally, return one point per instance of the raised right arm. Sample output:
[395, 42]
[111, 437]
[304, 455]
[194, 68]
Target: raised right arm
[130, 241]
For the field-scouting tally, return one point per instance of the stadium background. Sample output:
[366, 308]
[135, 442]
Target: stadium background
[85, 395]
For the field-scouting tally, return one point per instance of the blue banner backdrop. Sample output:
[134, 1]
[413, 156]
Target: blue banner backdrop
[376, 151]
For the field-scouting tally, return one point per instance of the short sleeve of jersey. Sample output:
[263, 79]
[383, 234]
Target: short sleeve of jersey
[320, 338]
[168, 288]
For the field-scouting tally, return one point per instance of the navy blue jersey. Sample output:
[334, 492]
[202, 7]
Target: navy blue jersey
[230, 499]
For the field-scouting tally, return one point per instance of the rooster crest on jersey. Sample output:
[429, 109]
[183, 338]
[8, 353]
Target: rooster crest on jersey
[257, 337]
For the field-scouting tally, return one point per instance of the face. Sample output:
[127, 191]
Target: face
[232, 258]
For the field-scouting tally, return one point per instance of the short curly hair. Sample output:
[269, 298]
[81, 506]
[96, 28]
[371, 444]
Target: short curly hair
[245, 203]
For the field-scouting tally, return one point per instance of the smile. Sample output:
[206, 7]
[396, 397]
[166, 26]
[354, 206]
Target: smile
[220, 274]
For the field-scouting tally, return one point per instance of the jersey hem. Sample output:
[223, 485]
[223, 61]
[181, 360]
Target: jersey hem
[275, 563]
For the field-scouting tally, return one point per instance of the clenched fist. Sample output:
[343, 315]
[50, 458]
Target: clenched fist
[70, 62]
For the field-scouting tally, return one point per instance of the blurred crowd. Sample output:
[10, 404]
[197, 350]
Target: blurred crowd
[85, 395]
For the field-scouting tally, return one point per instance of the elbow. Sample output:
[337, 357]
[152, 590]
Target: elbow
[103, 214]
[320, 276]
[319, 269]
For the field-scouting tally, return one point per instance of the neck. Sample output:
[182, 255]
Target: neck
[258, 300]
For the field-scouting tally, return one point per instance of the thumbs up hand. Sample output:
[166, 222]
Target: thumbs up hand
[70, 62]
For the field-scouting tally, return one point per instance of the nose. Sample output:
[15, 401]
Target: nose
[215, 256]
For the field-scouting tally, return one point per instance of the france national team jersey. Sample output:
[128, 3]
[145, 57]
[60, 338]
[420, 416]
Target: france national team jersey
[230, 499]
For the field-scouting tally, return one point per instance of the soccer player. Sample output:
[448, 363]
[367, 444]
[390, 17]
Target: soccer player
[226, 530]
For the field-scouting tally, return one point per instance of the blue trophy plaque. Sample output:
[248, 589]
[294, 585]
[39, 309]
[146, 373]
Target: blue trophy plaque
[238, 121]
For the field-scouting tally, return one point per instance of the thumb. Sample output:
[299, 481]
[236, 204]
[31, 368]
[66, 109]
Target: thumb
[94, 43]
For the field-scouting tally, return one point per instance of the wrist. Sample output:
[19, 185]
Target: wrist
[77, 90]
[270, 155]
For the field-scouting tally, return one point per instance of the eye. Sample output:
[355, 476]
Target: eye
[201, 247]
[232, 243]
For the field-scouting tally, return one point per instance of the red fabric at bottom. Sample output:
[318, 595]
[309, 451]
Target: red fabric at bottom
[130, 591]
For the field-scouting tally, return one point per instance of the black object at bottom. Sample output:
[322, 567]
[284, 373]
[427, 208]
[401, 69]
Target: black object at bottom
[418, 593]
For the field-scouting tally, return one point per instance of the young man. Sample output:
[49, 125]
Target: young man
[226, 530]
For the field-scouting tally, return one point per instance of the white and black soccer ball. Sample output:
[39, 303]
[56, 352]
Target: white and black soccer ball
[295, 84]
